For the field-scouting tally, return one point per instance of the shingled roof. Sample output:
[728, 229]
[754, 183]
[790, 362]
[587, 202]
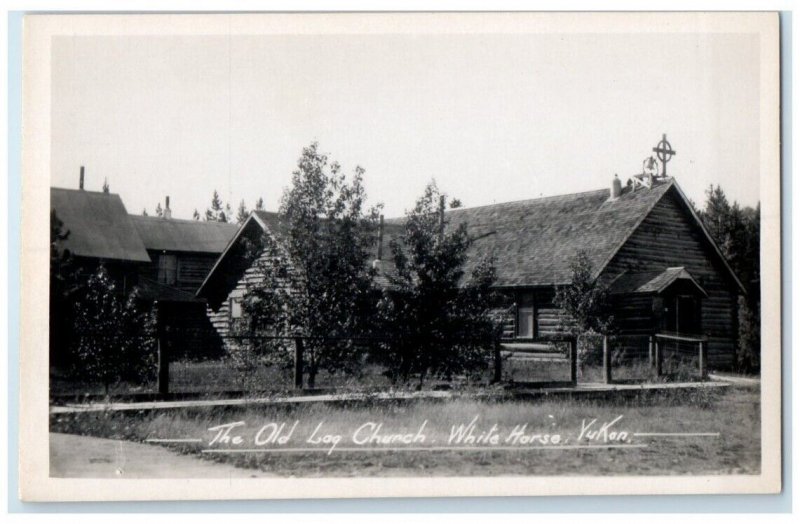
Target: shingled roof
[534, 241]
[649, 282]
[171, 234]
[98, 224]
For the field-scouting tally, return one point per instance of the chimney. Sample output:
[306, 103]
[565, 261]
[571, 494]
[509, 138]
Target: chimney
[167, 210]
[616, 188]
[80, 183]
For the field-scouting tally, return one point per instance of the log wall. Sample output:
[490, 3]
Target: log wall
[669, 237]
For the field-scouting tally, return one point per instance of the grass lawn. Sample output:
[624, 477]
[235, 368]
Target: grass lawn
[733, 414]
[217, 377]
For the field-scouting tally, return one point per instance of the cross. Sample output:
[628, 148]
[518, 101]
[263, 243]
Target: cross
[664, 152]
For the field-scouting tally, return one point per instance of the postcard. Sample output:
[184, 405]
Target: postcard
[319, 255]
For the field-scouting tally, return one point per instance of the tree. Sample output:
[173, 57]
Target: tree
[196, 215]
[585, 301]
[259, 204]
[159, 210]
[106, 189]
[318, 282]
[438, 319]
[144, 212]
[113, 338]
[242, 213]
[217, 211]
[64, 283]
[736, 231]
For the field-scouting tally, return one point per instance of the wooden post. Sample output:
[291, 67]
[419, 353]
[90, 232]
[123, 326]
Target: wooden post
[441, 218]
[659, 357]
[703, 357]
[650, 354]
[298, 363]
[573, 361]
[162, 342]
[498, 364]
[606, 361]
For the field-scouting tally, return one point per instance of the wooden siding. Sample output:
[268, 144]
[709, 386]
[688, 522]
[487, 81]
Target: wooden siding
[549, 321]
[669, 237]
[192, 268]
[252, 275]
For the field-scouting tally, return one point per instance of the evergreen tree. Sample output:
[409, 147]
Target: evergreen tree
[144, 212]
[64, 283]
[242, 213]
[106, 189]
[196, 215]
[736, 231]
[259, 204]
[217, 211]
[159, 210]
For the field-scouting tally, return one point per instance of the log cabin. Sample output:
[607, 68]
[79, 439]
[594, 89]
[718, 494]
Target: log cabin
[164, 258]
[647, 245]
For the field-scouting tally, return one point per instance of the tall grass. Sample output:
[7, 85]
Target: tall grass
[734, 414]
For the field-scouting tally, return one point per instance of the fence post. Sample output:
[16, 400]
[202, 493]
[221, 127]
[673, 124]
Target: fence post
[498, 364]
[703, 360]
[573, 361]
[650, 352]
[298, 363]
[163, 356]
[606, 361]
[659, 356]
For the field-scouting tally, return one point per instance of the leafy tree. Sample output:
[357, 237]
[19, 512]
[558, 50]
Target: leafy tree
[113, 337]
[242, 213]
[585, 301]
[318, 283]
[438, 319]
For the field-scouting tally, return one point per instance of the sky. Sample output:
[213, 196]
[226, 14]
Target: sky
[491, 117]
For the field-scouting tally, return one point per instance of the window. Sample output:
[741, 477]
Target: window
[236, 308]
[235, 305]
[168, 269]
[525, 315]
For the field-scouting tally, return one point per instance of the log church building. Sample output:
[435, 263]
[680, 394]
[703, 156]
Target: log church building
[664, 272]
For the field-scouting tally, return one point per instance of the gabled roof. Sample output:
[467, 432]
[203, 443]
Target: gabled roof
[149, 289]
[98, 224]
[534, 241]
[171, 234]
[653, 282]
[230, 267]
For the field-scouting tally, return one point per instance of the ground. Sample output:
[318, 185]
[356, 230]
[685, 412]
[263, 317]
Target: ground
[724, 427]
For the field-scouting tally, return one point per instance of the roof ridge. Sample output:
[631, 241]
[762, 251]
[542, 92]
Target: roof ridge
[188, 220]
[521, 201]
[84, 191]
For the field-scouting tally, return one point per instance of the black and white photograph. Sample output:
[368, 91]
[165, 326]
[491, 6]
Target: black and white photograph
[407, 254]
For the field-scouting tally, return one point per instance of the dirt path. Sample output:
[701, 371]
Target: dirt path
[90, 457]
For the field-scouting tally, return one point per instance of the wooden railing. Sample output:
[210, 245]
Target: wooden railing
[657, 350]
